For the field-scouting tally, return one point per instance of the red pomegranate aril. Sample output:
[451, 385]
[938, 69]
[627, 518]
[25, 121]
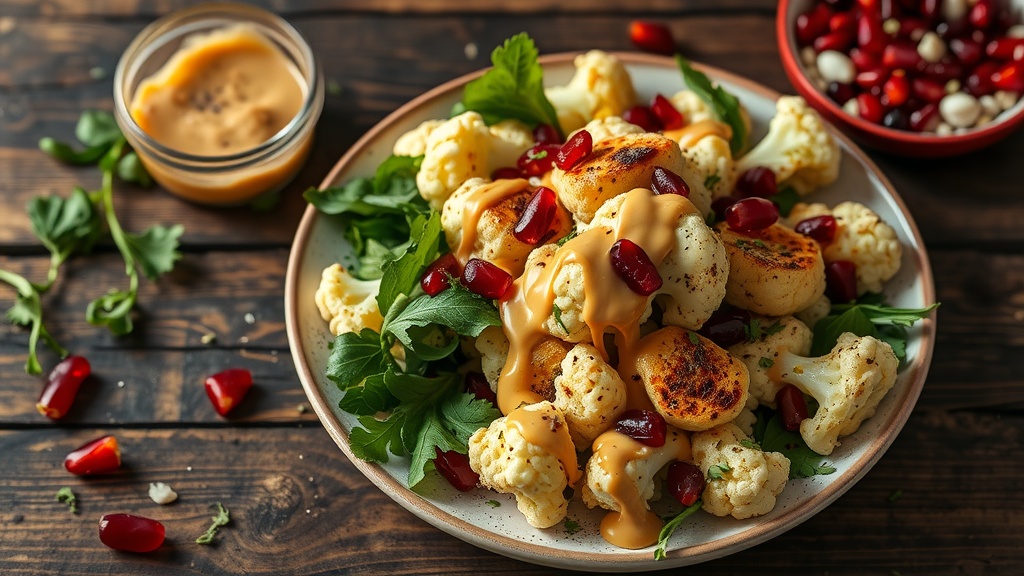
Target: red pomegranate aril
[454, 467]
[534, 225]
[652, 37]
[751, 214]
[930, 9]
[925, 119]
[870, 108]
[99, 456]
[869, 6]
[62, 386]
[435, 278]
[839, 41]
[871, 78]
[967, 51]
[839, 92]
[669, 117]
[726, 326]
[131, 533]
[477, 385]
[841, 281]
[643, 117]
[546, 134]
[889, 9]
[227, 389]
[507, 173]
[927, 89]
[634, 267]
[538, 160]
[870, 35]
[648, 428]
[685, 482]
[812, 24]
[1010, 77]
[668, 182]
[843, 22]
[896, 90]
[821, 228]
[579, 146]
[720, 204]
[792, 407]
[911, 27]
[980, 15]
[864, 60]
[980, 81]
[945, 70]
[758, 181]
[901, 55]
[1003, 48]
[486, 279]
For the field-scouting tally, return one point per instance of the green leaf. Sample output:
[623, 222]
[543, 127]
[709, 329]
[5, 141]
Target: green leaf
[725, 106]
[718, 471]
[66, 153]
[65, 225]
[396, 176]
[27, 310]
[369, 399]
[112, 310]
[130, 169]
[828, 330]
[97, 128]
[65, 495]
[803, 462]
[785, 200]
[402, 275]
[670, 527]
[712, 180]
[756, 332]
[883, 315]
[221, 519]
[354, 356]
[432, 435]
[465, 313]
[513, 88]
[376, 438]
[156, 249]
[765, 362]
[465, 414]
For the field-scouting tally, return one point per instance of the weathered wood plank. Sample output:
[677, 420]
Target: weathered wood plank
[299, 507]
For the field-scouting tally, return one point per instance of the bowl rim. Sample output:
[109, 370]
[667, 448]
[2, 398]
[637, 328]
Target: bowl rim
[625, 560]
[789, 53]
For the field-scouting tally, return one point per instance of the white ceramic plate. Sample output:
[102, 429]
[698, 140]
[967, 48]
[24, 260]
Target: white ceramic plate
[319, 242]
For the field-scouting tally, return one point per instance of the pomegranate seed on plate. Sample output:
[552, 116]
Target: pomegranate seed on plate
[1010, 77]
[944, 70]
[927, 89]
[652, 37]
[644, 426]
[896, 90]
[980, 81]
[757, 181]
[726, 326]
[226, 389]
[926, 119]
[454, 467]
[812, 24]
[62, 386]
[685, 482]
[534, 225]
[841, 281]
[792, 407]
[546, 134]
[839, 92]
[751, 214]
[435, 278]
[634, 267]
[966, 50]
[864, 60]
[821, 228]
[486, 279]
[643, 117]
[870, 108]
[579, 146]
[721, 204]
[838, 41]
[99, 456]
[871, 37]
[668, 182]
[130, 533]
[477, 385]
[538, 160]
[666, 112]
[507, 173]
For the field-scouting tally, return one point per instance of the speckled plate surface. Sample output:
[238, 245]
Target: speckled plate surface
[319, 242]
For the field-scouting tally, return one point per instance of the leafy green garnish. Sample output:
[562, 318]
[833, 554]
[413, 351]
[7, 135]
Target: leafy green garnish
[513, 88]
[712, 180]
[556, 312]
[772, 437]
[68, 497]
[868, 317]
[494, 504]
[785, 200]
[725, 106]
[571, 526]
[717, 471]
[765, 362]
[670, 527]
[756, 332]
[221, 519]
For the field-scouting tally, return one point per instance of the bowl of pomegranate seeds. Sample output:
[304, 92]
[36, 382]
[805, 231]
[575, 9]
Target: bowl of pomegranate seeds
[924, 78]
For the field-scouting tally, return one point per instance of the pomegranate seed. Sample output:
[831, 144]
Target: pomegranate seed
[812, 24]
[841, 281]
[911, 27]
[477, 385]
[751, 214]
[901, 55]
[534, 225]
[100, 456]
[926, 119]
[652, 37]
[643, 117]
[930, 9]
[130, 533]
[821, 228]
[758, 181]
[980, 81]
[546, 134]
[668, 182]
[226, 389]
[455, 468]
[980, 15]
[1010, 77]
[634, 267]
[666, 112]
[870, 35]
[967, 51]
[726, 326]
[864, 60]
[538, 160]
[839, 41]
[869, 6]
[843, 22]
[888, 9]
[792, 407]
[579, 146]
[945, 70]
[435, 278]
[872, 78]
[896, 90]
[1003, 48]
[721, 204]
[839, 92]
[870, 108]
[644, 426]
[685, 482]
[486, 279]
[507, 173]
[927, 89]
[954, 29]
[62, 386]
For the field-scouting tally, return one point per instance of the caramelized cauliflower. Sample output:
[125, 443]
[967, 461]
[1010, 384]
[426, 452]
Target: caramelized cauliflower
[709, 170]
[742, 482]
[347, 303]
[610, 127]
[792, 335]
[414, 142]
[590, 394]
[640, 471]
[600, 87]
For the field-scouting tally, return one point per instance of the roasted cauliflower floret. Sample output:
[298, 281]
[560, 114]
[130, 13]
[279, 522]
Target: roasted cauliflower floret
[709, 170]
[590, 394]
[601, 87]
[641, 469]
[789, 334]
[798, 148]
[414, 142]
[509, 463]
[492, 344]
[812, 314]
[742, 482]
[610, 127]
[862, 238]
[464, 147]
[347, 303]
[848, 383]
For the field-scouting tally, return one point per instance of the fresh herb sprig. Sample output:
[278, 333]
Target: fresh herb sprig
[725, 106]
[221, 519]
[770, 436]
[868, 316]
[670, 528]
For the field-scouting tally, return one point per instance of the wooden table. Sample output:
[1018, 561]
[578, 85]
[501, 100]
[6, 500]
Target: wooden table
[298, 506]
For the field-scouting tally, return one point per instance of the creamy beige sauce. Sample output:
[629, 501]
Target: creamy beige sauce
[690, 134]
[481, 199]
[550, 434]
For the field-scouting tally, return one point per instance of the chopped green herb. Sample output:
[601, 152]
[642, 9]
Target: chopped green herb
[717, 471]
[694, 339]
[571, 526]
[670, 527]
[765, 362]
[221, 519]
[68, 497]
[494, 503]
[785, 199]
[712, 181]
[759, 243]
[748, 443]
[756, 332]
[568, 237]
[557, 313]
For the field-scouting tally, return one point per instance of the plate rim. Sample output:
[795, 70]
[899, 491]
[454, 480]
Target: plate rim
[627, 560]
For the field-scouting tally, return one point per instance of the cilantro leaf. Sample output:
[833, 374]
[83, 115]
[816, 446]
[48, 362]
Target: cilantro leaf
[131, 169]
[28, 311]
[513, 88]
[355, 356]
[97, 128]
[725, 106]
[803, 462]
[156, 249]
[402, 275]
[65, 225]
[670, 527]
[465, 313]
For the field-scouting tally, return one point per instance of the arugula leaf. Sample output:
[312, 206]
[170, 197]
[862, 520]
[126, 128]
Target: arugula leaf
[670, 528]
[432, 435]
[370, 398]
[883, 322]
[725, 106]
[376, 438]
[513, 88]
[354, 357]
[402, 275]
[221, 519]
[803, 462]
[465, 313]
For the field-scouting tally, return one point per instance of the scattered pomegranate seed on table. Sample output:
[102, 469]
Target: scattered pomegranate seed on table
[435, 278]
[648, 428]
[99, 456]
[454, 467]
[685, 482]
[227, 389]
[634, 267]
[652, 37]
[62, 386]
[534, 224]
[130, 533]
[486, 279]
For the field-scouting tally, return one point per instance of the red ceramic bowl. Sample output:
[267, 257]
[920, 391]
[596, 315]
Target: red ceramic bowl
[903, 143]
